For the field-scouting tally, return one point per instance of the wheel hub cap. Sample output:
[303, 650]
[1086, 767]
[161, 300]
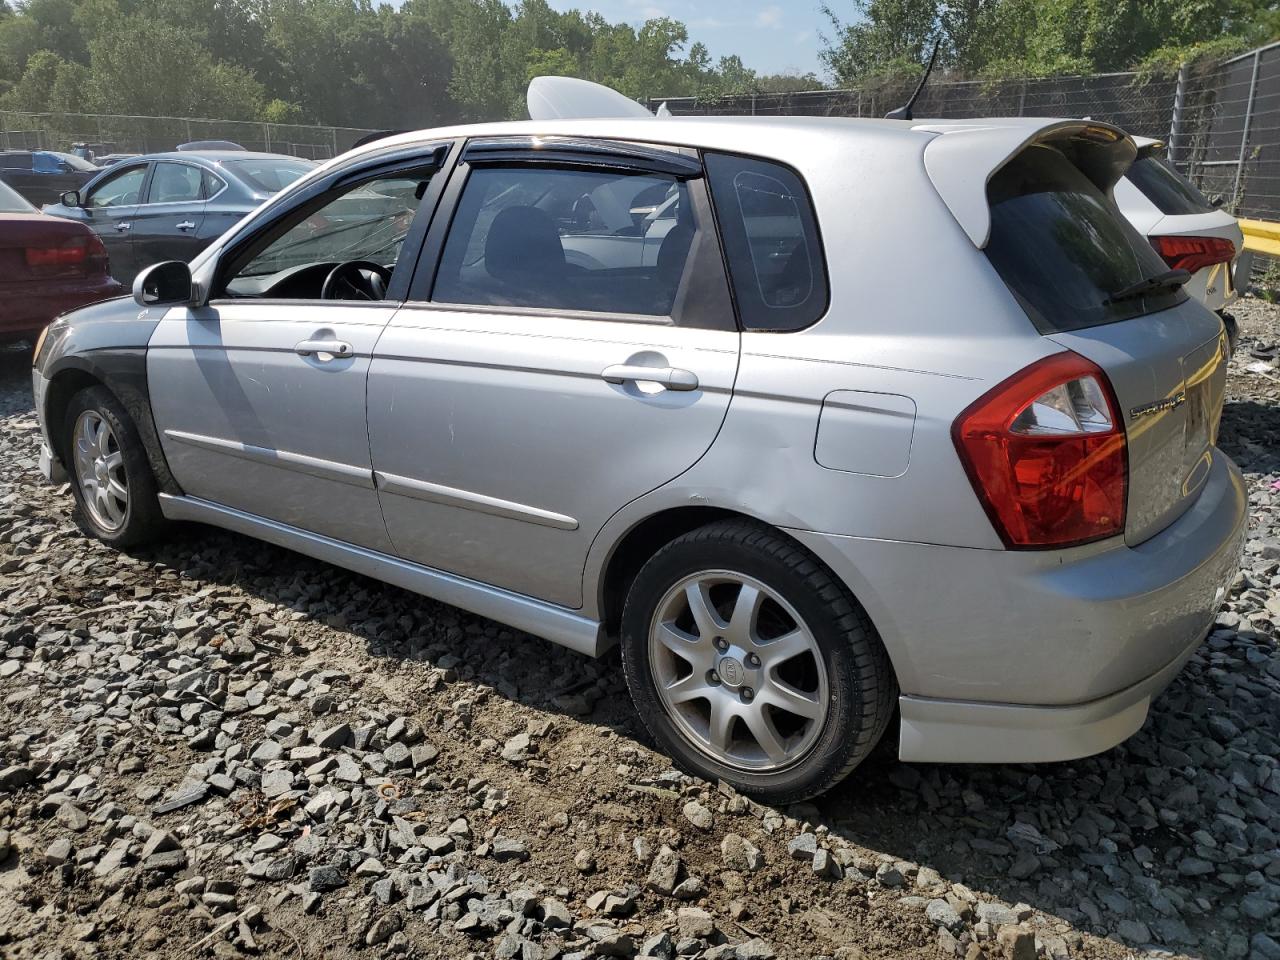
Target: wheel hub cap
[738, 671]
[100, 470]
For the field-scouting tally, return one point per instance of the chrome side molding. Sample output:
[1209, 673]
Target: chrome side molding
[557, 624]
[312, 466]
[452, 496]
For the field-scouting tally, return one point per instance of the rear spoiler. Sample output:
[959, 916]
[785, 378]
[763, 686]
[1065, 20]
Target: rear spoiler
[967, 154]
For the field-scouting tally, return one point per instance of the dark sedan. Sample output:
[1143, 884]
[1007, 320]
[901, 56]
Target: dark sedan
[44, 175]
[170, 206]
[47, 267]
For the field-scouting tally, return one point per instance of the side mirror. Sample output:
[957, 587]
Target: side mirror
[70, 199]
[1217, 200]
[167, 283]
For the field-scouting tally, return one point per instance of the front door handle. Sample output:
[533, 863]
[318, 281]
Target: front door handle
[186, 225]
[672, 378]
[334, 348]
[122, 227]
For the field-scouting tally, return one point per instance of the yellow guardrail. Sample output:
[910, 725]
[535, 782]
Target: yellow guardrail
[1261, 236]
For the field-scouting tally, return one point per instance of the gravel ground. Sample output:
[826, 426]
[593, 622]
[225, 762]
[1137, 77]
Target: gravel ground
[214, 747]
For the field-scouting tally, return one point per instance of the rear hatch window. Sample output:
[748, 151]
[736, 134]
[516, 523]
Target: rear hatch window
[1169, 190]
[1063, 249]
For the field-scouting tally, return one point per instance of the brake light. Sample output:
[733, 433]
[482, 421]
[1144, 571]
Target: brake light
[1192, 253]
[1045, 451]
[84, 251]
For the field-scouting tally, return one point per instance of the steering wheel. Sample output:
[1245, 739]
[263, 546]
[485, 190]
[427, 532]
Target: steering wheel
[356, 280]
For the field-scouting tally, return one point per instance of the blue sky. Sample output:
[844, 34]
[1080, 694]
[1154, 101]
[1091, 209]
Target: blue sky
[771, 36]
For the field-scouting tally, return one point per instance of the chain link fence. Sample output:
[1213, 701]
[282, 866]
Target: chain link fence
[1221, 120]
[103, 134]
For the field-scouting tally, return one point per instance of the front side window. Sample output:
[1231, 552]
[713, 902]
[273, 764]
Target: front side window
[122, 190]
[175, 183]
[1064, 250]
[568, 239]
[363, 227]
[771, 242]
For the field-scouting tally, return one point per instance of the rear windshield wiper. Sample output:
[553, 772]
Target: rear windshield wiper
[1161, 281]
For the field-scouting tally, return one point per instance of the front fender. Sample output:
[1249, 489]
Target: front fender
[107, 344]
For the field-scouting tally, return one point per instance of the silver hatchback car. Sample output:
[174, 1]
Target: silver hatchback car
[822, 419]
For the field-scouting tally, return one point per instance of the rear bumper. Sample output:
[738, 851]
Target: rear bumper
[27, 308]
[956, 731]
[1057, 653]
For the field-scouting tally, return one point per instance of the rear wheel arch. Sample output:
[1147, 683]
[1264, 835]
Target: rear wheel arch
[650, 534]
[645, 538]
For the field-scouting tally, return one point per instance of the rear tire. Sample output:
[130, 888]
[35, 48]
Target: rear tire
[749, 662]
[114, 488]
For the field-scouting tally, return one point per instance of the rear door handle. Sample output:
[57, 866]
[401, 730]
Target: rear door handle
[122, 227]
[335, 348]
[186, 225]
[672, 378]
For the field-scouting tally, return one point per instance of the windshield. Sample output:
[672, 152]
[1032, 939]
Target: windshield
[1164, 186]
[1063, 248]
[11, 202]
[269, 175]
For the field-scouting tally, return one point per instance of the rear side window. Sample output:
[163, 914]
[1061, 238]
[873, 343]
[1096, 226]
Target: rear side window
[771, 242]
[1064, 249]
[175, 183]
[603, 241]
[1169, 190]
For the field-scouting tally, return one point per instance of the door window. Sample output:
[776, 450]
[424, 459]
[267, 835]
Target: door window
[122, 190]
[175, 183]
[568, 239]
[771, 242]
[365, 223]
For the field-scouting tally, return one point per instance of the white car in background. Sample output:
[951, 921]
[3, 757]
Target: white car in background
[1187, 229]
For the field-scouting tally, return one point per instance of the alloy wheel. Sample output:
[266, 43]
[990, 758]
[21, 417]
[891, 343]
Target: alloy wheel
[738, 671]
[100, 471]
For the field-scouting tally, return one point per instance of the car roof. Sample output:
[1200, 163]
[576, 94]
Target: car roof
[713, 132]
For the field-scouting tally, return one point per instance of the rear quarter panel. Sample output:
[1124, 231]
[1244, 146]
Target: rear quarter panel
[916, 314]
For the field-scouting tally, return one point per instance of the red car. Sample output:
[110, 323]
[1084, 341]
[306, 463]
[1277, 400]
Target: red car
[47, 266]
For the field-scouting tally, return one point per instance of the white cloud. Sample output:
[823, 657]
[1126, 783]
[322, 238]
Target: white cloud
[770, 17]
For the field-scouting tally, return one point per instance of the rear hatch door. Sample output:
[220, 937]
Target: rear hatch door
[1073, 262]
[1169, 373]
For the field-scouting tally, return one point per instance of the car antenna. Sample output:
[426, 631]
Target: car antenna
[904, 112]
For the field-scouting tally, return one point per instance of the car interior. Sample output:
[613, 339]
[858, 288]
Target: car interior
[347, 249]
[568, 239]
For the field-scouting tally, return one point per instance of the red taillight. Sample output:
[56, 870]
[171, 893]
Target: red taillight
[84, 251]
[1045, 452]
[1192, 253]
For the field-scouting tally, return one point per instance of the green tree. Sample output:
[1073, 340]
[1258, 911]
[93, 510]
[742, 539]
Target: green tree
[144, 66]
[49, 84]
[887, 37]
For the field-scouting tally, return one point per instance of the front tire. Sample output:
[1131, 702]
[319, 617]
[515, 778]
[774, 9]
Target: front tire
[111, 480]
[749, 662]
